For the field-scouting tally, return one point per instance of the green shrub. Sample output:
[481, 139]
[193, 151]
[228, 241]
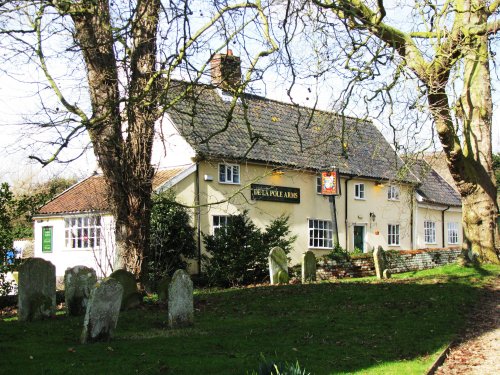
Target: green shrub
[6, 236]
[357, 250]
[172, 238]
[279, 368]
[338, 254]
[237, 253]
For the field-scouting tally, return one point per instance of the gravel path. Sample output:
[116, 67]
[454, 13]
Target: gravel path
[478, 351]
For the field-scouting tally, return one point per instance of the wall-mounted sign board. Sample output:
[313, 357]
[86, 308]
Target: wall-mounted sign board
[274, 193]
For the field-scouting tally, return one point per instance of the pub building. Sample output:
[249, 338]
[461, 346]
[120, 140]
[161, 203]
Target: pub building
[333, 176]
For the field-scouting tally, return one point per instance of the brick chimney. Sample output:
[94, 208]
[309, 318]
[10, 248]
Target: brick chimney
[226, 71]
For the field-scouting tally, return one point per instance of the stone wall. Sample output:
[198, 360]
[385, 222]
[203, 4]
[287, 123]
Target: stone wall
[397, 261]
[414, 260]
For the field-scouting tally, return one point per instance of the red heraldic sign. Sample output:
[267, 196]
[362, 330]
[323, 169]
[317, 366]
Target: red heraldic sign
[330, 182]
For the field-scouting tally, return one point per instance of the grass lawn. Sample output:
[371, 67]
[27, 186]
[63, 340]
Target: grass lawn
[363, 326]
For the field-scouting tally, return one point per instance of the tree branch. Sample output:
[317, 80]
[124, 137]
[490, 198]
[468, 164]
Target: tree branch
[489, 28]
[494, 7]
[43, 64]
[400, 41]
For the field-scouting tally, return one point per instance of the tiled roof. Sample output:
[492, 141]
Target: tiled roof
[268, 131]
[438, 162]
[91, 194]
[434, 189]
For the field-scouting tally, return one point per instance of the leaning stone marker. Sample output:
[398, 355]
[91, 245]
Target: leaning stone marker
[387, 274]
[36, 290]
[131, 296]
[308, 267]
[180, 300]
[102, 313]
[78, 283]
[277, 262]
[379, 262]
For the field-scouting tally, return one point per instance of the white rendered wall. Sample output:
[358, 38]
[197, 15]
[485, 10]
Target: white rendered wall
[434, 214]
[169, 148]
[100, 259]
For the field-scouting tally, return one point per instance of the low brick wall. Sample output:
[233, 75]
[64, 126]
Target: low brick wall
[358, 267]
[397, 261]
[414, 260]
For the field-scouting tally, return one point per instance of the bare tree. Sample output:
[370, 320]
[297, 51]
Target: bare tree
[442, 46]
[130, 53]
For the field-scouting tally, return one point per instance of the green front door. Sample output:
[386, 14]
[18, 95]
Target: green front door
[359, 237]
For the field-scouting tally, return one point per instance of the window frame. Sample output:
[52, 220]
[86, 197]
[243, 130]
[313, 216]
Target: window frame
[83, 232]
[393, 193]
[453, 232]
[320, 230]
[318, 184]
[359, 191]
[231, 168]
[225, 218]
[393, 235]
[430, 232]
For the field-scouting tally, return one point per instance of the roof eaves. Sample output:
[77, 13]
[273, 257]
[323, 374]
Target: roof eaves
[176, 179]
[70, 213]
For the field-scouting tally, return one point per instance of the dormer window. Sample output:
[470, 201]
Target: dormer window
[229, 173]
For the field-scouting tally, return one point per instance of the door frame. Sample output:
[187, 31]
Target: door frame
[361, 225]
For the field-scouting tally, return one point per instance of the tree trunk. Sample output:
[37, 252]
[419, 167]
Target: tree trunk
[479, 204]
[125, 163]
[470, 163]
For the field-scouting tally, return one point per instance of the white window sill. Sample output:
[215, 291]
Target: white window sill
[229, 183]
[394, 245]
[359, 199]
[430, 243]
[393, 200]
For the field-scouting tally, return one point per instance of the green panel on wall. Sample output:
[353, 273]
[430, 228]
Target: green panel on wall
[47, 239]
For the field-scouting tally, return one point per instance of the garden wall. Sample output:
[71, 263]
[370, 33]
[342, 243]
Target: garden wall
[397, 261]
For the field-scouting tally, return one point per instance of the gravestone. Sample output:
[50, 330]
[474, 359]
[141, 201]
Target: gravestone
[277, 262]
[379, 261]
[308, 267]
[283, 277]
[78, 283]
[36, 290]
[180, 300]
[131, 296]
[386, 274]
[102, 313]
[163, 288]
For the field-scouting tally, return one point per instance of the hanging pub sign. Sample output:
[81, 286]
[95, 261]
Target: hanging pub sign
[274, 193]
[330, 182]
